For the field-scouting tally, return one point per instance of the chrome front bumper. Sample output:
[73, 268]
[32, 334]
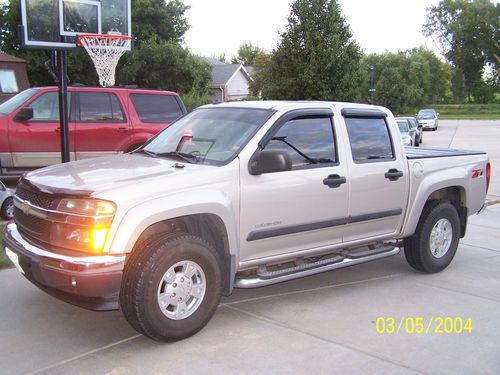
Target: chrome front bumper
[92, 282]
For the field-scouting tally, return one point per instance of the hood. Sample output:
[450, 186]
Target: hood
[99, 175]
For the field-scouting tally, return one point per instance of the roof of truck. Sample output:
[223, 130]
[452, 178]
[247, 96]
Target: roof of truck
[282, 104]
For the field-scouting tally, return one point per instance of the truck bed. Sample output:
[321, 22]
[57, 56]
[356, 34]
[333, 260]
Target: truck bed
[425, 153]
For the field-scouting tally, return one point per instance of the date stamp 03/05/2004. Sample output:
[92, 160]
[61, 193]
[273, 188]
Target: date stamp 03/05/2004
[420, 325]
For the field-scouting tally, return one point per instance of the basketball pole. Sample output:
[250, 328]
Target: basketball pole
[62, 70]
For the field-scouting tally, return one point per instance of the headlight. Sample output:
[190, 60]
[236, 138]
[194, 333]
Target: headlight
[86, 225]
[87, 207]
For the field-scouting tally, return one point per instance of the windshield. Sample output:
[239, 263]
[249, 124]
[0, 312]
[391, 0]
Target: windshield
[403, 126]
[15, 102]
[208, 136]
[426, 115]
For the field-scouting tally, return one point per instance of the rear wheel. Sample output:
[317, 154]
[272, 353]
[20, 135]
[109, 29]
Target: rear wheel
[7, 210]
[171, 287]
[434, 244]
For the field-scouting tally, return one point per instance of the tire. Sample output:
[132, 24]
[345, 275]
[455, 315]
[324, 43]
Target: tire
[440, 221]
[7, 210]
[183, 272]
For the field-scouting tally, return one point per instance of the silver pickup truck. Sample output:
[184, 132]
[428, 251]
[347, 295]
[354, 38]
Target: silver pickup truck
[239, 195]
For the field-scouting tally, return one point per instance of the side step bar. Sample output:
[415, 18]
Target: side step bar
[274, 277]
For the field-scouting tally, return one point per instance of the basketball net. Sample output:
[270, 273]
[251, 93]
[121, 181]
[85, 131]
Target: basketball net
[105, 51]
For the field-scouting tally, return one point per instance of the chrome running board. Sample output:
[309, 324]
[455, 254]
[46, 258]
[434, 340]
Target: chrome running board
[265, 277]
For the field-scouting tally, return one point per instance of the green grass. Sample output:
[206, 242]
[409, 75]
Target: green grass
[4, 262]
[468, 111]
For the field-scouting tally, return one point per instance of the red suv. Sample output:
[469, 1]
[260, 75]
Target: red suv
[101, 121]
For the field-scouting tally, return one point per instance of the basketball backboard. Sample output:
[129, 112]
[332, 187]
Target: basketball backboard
[54, 24]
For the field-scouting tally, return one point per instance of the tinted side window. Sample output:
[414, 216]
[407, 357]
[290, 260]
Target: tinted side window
[46, 107]
[100, 107]
[370, 139]
[156, 108]
[309, 141]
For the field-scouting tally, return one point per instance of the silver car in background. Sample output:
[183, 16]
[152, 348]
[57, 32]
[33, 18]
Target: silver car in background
[404, 130]
[416, 131]
[6, 202]
[428, 118]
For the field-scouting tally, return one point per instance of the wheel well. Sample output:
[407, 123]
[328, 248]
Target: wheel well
[456, 196]
[207, 226]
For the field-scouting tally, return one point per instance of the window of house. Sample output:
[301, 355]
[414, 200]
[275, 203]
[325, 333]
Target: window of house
[309, 141]
[100, 107]
[156, 108]
[370, 139]
[8, 82]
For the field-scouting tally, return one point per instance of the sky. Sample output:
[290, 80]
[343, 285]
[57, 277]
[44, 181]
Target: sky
[220, 26]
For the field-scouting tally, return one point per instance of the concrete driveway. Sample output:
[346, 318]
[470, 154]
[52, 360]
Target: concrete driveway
[319, 325]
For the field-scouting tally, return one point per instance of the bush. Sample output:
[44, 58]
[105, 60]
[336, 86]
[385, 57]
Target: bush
[195, 98]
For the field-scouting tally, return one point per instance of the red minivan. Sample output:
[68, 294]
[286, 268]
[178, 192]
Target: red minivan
[101, 121]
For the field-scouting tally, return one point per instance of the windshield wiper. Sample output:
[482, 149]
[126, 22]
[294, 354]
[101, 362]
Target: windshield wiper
[283, 139]
[150, 153]
[192, 159]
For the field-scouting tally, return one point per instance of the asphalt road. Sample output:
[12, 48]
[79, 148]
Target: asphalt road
[320, 325]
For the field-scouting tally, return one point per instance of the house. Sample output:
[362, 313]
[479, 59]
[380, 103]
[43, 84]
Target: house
[229, 81]
[13, 76]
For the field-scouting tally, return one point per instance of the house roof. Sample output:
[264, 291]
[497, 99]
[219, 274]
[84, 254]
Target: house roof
[222, 73]
[250, 69]
[213, 61]
[9, 58]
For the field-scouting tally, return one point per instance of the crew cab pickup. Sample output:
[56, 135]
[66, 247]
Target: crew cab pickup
[239, 195]
[101, 121]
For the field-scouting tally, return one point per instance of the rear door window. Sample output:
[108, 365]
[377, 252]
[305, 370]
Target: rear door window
[156, 108]
[370, 139]
[100, 107]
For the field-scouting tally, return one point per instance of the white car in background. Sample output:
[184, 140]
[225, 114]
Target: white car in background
[428, 118]
[6, 202]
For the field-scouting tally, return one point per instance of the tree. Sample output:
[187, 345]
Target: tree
[468, 33]
[407, 80]
[165, 65]
[316, 57]
[247, 54]
[437, 88]
[159, 19]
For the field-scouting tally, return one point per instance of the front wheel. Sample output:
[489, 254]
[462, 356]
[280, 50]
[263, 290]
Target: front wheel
[434, 244]
[7, 210]
[171, 287]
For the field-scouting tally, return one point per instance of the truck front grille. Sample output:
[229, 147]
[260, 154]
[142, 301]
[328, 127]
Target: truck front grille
[34, 229]
[35, 199]
[31, 227]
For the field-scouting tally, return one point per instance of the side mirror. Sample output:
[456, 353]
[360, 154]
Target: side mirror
[24, 114]
[437, 114]
[268, 161]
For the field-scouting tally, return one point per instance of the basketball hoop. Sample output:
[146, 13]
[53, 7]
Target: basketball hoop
[105, 51]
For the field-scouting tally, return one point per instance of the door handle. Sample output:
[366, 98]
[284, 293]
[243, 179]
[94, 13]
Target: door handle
[334, 181]
[123, 130]
[393, 174]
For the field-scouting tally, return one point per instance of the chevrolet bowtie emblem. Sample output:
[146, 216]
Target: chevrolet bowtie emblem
[25, 207]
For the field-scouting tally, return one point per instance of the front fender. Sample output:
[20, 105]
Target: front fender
[147, 213]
